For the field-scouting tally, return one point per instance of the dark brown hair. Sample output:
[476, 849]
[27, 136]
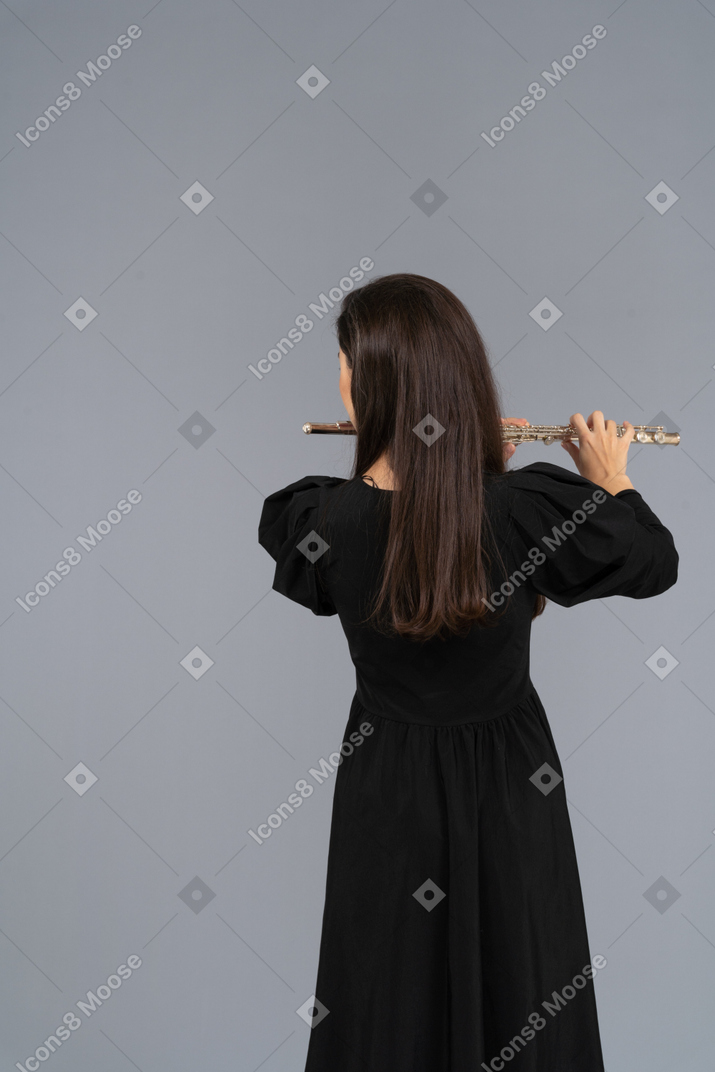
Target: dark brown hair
[415, 352]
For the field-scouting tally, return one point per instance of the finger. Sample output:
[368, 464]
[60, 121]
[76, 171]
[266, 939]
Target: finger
[515, 420]
[578, 422]
[596, 422]
[628, 432]
[611, 428]
[509, 449]
[570, 447]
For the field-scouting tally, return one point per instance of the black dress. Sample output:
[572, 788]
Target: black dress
[454, 936]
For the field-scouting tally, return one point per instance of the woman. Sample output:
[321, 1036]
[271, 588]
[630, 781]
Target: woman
[454, 936]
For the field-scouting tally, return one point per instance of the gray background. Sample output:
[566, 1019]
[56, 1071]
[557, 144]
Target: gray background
[303, 187]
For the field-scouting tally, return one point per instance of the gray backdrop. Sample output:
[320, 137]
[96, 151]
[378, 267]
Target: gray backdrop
[166, 227]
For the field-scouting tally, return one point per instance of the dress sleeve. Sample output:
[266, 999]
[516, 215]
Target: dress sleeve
[287, 519]
[590, 543]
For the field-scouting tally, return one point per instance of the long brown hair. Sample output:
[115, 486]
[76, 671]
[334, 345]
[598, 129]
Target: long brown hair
[415, 352]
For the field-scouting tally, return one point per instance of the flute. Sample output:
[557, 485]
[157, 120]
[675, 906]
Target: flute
[515, 433]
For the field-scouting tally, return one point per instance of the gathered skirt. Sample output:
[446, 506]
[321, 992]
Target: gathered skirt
[453, 934]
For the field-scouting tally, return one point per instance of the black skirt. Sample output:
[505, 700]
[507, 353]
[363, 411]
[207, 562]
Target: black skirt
[453, 935]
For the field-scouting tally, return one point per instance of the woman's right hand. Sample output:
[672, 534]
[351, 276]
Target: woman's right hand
[601, 454]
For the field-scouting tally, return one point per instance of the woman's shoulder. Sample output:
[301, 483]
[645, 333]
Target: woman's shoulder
[291, 530]
[301, 504]
[306, 487]
[545, 482]
[542, 497]
[544, 476]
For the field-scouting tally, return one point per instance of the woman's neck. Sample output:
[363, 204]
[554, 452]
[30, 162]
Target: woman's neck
[382, 474]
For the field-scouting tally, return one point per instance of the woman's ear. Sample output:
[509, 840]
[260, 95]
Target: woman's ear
[344, 385]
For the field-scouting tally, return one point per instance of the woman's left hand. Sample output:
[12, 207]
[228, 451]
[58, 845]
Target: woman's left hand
[509, 448]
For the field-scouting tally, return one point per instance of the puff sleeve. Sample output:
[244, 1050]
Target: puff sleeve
[287, 518]
[593, 544]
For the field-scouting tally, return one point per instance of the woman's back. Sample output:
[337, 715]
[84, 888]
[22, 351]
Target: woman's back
[556, 533]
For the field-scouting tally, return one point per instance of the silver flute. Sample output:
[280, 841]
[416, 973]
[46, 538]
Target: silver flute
[532, 433]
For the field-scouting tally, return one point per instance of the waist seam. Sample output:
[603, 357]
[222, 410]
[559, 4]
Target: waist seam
[528, 695]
